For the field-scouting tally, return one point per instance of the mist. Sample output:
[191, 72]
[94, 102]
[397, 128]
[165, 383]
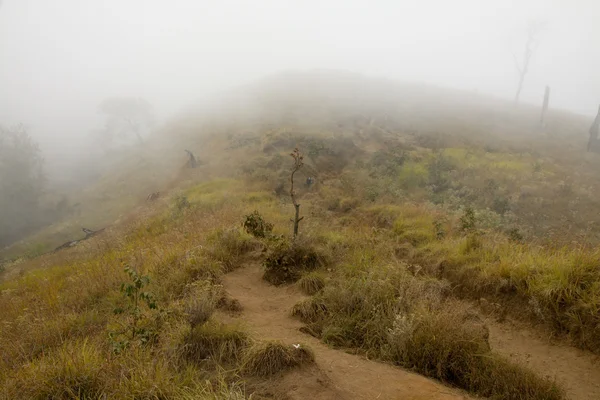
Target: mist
[60, 60]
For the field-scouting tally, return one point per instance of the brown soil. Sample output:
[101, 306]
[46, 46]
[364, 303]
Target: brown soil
[578, 371]
[336, 375]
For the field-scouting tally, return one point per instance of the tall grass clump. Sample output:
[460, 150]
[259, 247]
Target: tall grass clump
[269, 358]
[229, 246]
[450, 346]
[286, 261]
[215, 341]
[312, 282]
[76, 370]
[389, 314]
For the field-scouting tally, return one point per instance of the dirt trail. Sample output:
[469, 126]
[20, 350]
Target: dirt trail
[577, 370]
[337, 375]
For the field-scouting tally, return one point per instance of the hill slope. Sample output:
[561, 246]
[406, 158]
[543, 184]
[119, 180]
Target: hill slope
[424, 201]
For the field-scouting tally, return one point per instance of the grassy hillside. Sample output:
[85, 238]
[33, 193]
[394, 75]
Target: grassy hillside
[424, 200]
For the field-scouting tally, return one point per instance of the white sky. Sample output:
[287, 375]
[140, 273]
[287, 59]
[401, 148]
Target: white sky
[60, 58]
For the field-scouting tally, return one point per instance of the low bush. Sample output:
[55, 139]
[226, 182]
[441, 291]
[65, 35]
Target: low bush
[255, 225]
[286, 262]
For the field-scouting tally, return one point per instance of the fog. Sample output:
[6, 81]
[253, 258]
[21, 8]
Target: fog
[59, 59]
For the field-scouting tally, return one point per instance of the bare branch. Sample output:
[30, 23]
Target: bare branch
[531, 46]
[516, 62]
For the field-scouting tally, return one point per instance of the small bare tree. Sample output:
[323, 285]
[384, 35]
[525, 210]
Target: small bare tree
[298, 163]
[126, 116]
[533, 30]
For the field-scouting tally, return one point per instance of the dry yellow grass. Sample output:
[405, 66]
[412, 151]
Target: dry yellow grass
[388, 229]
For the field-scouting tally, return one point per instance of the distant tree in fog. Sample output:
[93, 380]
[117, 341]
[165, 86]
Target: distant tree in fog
[126, 117]
[531, 44]
[21, 183]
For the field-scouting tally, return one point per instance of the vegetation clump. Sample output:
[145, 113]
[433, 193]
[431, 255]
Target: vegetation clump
[137, 326]
[221, 343]
[312, 283]
[269, 358]
[200, 306]
[73, 371]
[448, 346]
[255, 225]
[286, 262]
[229, 246]
[410, 321]
[229, 304]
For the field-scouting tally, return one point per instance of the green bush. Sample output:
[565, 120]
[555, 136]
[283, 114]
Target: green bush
[255, 225]
[286, 262]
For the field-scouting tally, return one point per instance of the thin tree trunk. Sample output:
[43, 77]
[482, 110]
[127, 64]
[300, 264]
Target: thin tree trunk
[545, 105]
[521, 79]
[594, 131]
[297, 218]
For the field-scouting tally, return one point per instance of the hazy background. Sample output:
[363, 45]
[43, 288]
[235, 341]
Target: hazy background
[60, 58]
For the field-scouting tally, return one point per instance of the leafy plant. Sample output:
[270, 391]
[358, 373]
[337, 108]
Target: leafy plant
[440, 232]
[467, 221]
[256, 225]
[136, 297]
[439, 168]
[286, 262]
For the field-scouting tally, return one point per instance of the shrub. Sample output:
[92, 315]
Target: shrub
[255, 225]
[136, 327]
[269, 358]
[286, 262]
[439, 169]
[467, 220]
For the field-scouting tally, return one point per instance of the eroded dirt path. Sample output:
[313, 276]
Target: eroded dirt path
[578, 371]
[337, 375]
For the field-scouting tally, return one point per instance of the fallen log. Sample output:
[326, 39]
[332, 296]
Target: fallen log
[88, 234]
